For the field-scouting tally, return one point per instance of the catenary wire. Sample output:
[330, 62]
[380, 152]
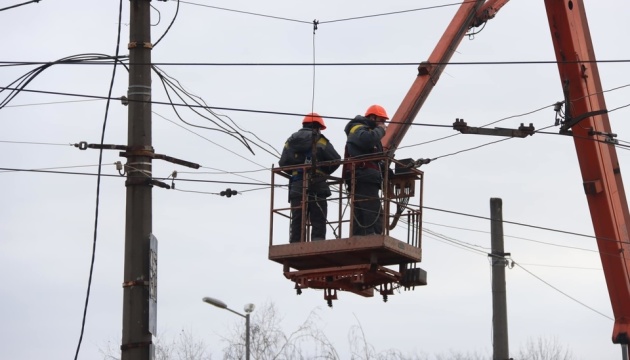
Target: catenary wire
[523, 224]
[6, 63]
[394, 12]
[561, 292]
[564, 267]
[4, 169]
[515, 237]
[267, 186]
[223, 108]
[54, 168]
[98, 184]
[246, 12]
[458, 243]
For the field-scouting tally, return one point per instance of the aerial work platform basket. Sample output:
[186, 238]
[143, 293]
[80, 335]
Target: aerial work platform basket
[342, 262]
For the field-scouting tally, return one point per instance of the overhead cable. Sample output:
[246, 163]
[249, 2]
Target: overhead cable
[246, 12]
[17, 5]
[169, 26]
[98, 184]
[562, 292]
[327, 64]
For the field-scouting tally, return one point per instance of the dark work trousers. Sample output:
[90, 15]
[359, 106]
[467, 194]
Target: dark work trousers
[368, 213]
[316, 212]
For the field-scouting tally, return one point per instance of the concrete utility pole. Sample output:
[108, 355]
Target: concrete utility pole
[139, 287]
[500, 346]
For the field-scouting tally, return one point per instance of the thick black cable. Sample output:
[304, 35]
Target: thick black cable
[177, 88]
[210, 141]
[169, 26]
[199, 101]
[98, 184]
[20, 83]
[220, 127]
[24, 3]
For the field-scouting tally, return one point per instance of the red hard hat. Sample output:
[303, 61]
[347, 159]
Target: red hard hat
[314, 117]
[377, 110]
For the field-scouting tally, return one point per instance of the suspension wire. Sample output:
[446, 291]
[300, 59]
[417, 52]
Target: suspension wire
[315, 23]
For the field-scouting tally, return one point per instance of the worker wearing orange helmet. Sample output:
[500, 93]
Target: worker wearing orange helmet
[364, 139]
[309, 146]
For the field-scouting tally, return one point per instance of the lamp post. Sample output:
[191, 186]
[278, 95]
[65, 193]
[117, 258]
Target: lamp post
[248, 310]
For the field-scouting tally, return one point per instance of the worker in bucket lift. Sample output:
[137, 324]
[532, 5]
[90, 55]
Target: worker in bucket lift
[298, 150]
[364, 134]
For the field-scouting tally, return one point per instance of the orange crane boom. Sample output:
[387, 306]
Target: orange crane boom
[586, 119]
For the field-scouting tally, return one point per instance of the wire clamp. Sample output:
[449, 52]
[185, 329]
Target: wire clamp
[228, 192]
[133, 283]
[135, 44]
[135, 345]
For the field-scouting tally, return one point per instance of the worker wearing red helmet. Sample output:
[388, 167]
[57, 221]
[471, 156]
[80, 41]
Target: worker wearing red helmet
[298, 150]
[364, 139]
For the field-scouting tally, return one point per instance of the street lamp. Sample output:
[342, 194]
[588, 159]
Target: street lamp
[248, 310]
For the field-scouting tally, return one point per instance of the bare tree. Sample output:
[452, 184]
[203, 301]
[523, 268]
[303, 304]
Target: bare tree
[545, 349]
[269, 342]
[183, 347]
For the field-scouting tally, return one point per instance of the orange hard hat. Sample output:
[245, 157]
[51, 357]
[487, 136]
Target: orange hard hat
[314, 118]
[377, 110]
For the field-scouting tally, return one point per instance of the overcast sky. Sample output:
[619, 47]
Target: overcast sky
[216, 246]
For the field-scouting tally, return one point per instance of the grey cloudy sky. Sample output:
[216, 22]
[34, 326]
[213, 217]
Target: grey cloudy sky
[216, 246]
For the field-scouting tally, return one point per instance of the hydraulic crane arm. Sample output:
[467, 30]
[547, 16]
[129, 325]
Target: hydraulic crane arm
[598, 160]
[586, 117]
[470, 14]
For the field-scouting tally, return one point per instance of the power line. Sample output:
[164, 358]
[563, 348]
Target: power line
[394, 12]
[515, 237]
[471, 248]
[210, 141]
[562, 292]
[246, 12]
[565, 267]
[98, 184]
[230, 108]
[17, 5]
[309, 64]
[523, 224]
[34, 143]
[3, 170]
[52, 102]
[169, 26]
